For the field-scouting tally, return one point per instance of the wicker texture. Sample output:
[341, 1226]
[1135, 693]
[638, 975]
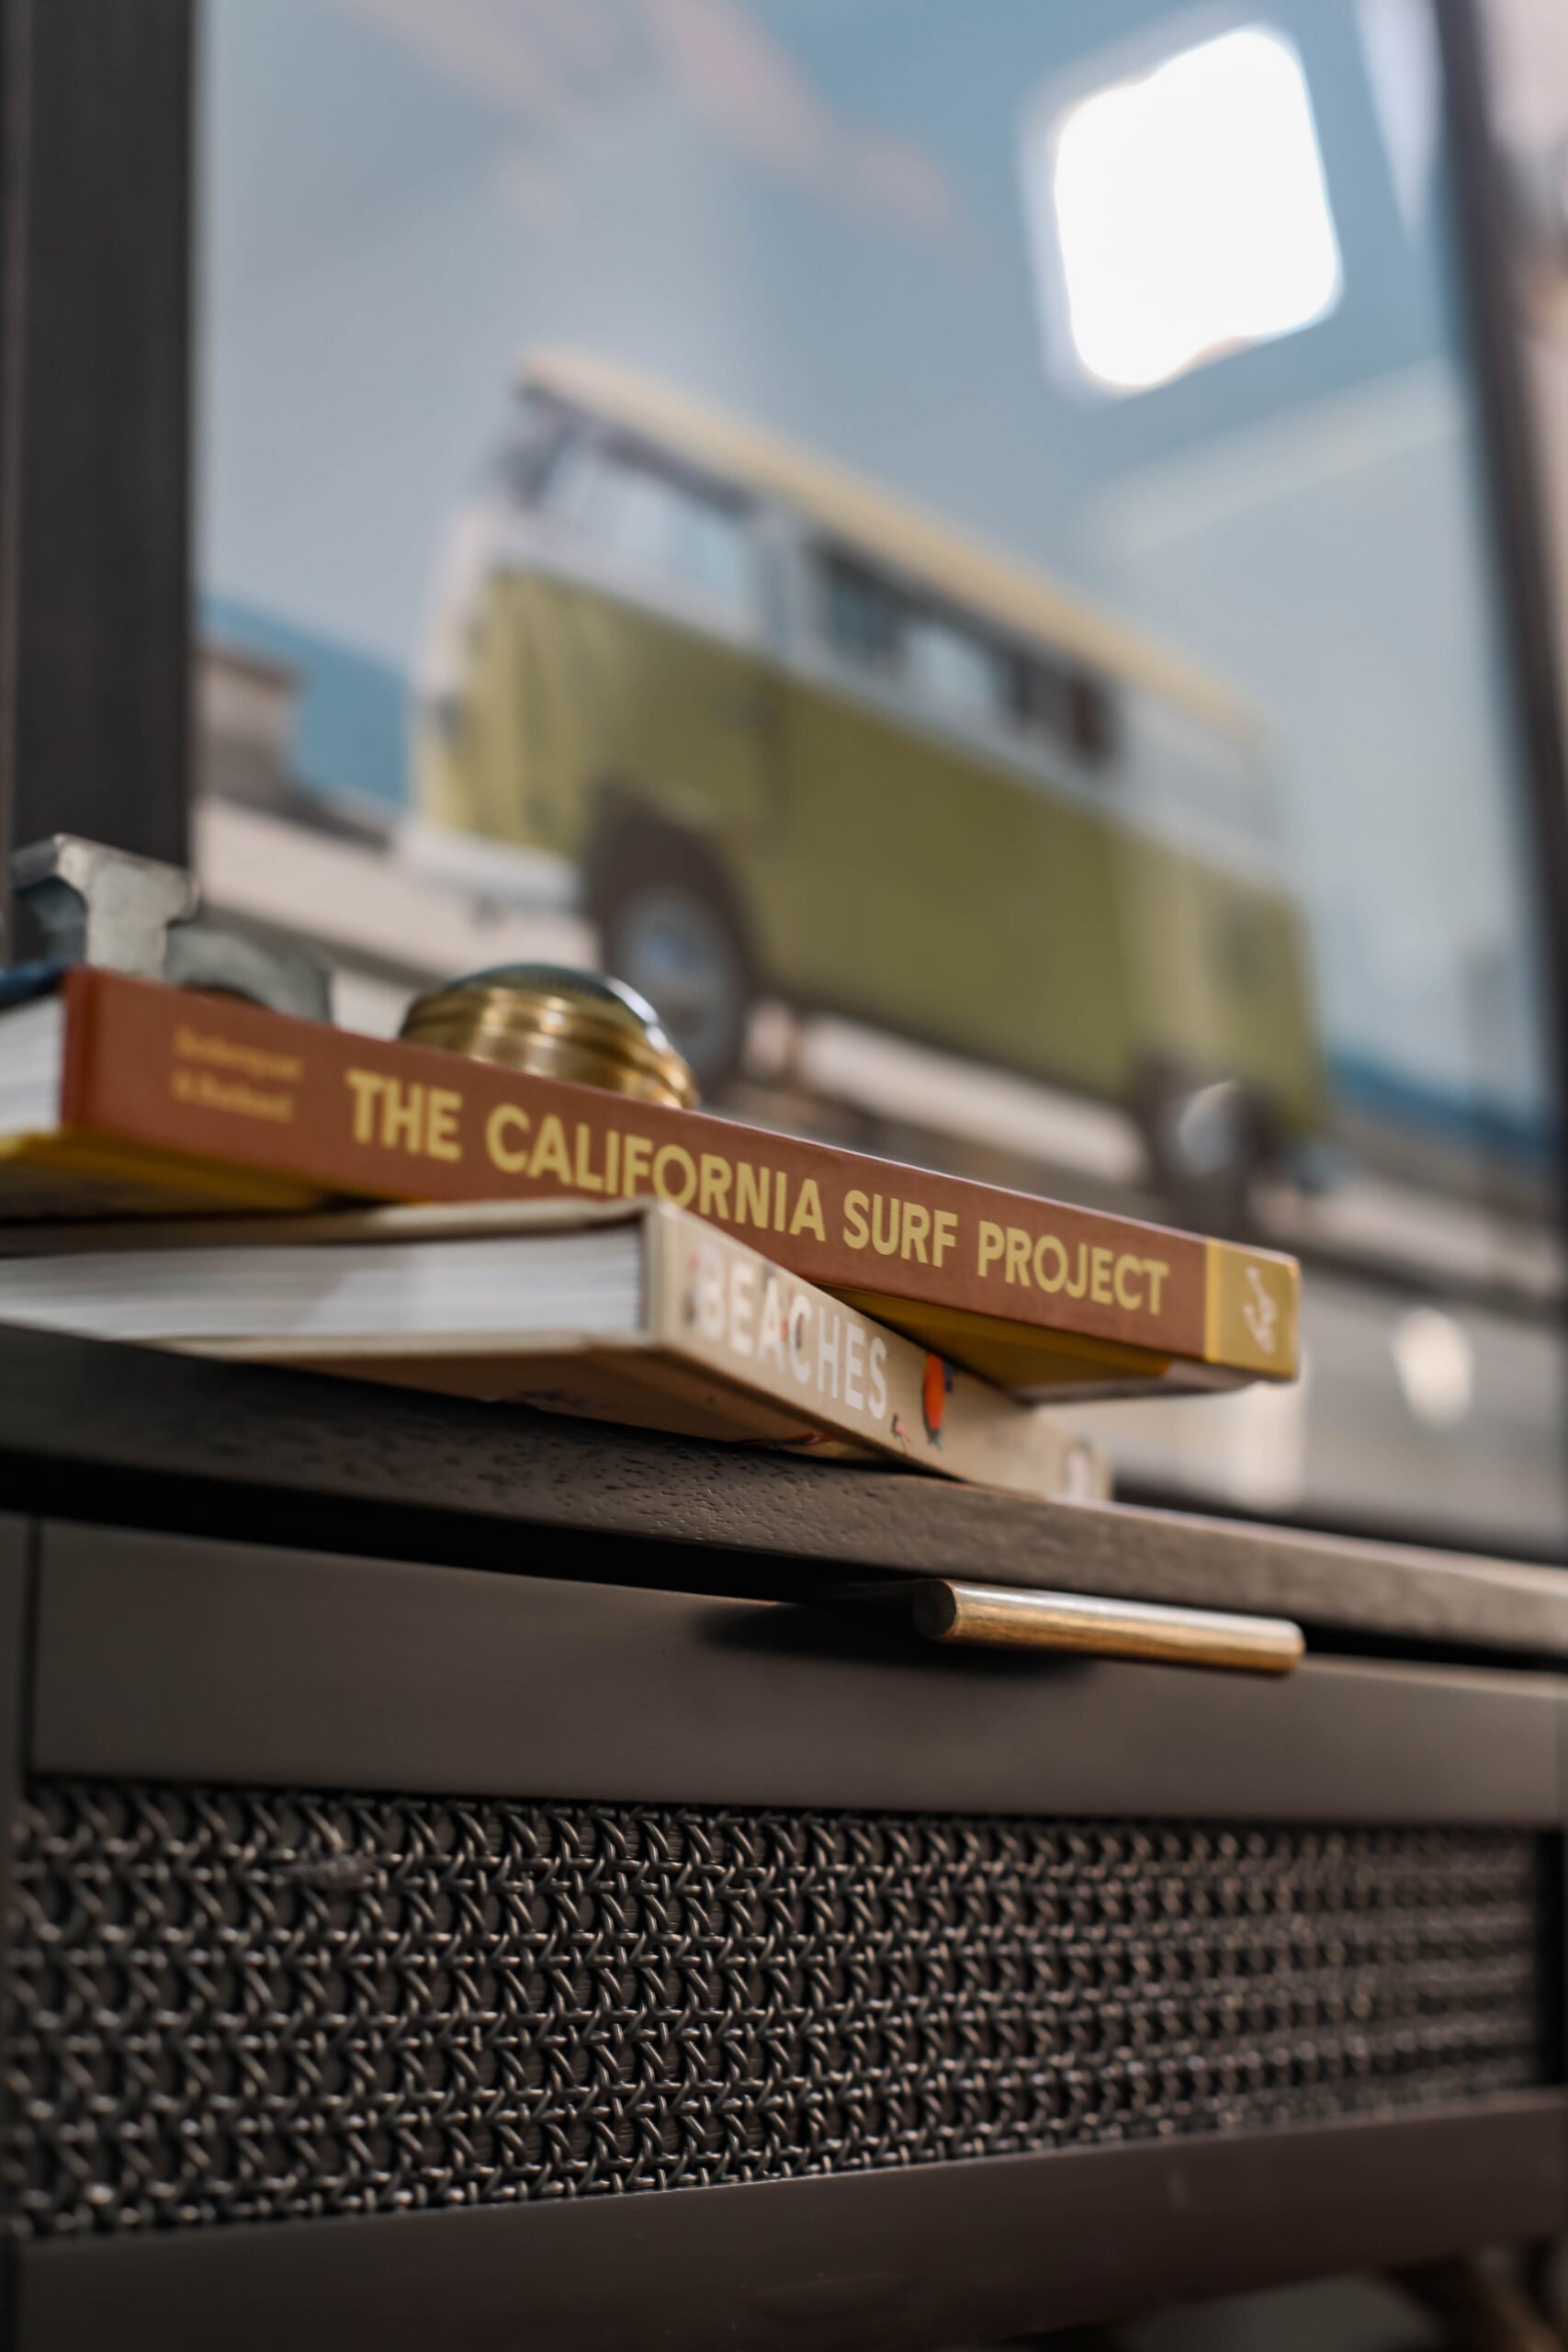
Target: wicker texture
[245, 2004]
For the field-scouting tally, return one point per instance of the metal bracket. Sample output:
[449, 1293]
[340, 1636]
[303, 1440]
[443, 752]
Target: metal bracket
[104, 906]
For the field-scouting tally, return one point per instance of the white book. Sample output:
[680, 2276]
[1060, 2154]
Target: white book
[635, 1312]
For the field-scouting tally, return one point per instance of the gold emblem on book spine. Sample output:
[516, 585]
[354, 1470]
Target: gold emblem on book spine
[556, 1022]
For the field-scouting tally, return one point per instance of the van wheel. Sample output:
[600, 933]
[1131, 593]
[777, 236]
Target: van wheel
[667, 927]
[1205, 1143]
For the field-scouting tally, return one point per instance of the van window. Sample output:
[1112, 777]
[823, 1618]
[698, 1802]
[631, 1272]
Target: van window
[1065, 707]
[956, 669]
[1092, 720]
[862, 614]
[661, 526]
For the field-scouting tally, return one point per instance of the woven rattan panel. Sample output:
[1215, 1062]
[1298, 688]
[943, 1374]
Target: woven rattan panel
[233, 2006]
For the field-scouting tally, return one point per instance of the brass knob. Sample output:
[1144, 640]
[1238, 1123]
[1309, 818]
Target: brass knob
[556, 1022]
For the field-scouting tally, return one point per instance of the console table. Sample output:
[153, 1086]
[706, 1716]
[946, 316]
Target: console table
[452, 1902]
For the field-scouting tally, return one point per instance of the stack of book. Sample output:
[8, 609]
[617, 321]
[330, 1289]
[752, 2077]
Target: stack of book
[577, 1250]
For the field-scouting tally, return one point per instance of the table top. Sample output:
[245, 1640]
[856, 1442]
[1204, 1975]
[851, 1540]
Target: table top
[95, 1431]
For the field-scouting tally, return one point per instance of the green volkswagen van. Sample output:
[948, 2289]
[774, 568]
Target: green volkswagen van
[795, 739]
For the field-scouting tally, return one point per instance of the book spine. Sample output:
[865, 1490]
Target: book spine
[230, 1083]
[76, 1057]
[736, 1314]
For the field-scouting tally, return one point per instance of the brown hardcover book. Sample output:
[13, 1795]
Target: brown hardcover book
[121, 1096]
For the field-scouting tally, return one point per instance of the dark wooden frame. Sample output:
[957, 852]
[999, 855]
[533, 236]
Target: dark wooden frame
[95, 224]
[1527, 585]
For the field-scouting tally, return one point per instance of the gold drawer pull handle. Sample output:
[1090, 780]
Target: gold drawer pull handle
[1014, 1618]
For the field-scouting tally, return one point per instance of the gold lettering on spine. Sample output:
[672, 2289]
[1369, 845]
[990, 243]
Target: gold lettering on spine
[944, 1233]
[549, 1153]
[1048, 1242]
[857, 1233]
[751, 1194]
[422, 1120]
[441, 1137]
[512, 1158]
[808, 1210]
[714, 1179]
[402, 1112]
[638, 1152]
[584, 1177]
[1127, 1294]
[883, 1244]
[255, 1062]
[670, 1155]
[230, 1094]
[364, 1084]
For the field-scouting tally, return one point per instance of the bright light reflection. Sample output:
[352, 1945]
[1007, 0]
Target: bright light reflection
[1191, 211]
[1436, 1364]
